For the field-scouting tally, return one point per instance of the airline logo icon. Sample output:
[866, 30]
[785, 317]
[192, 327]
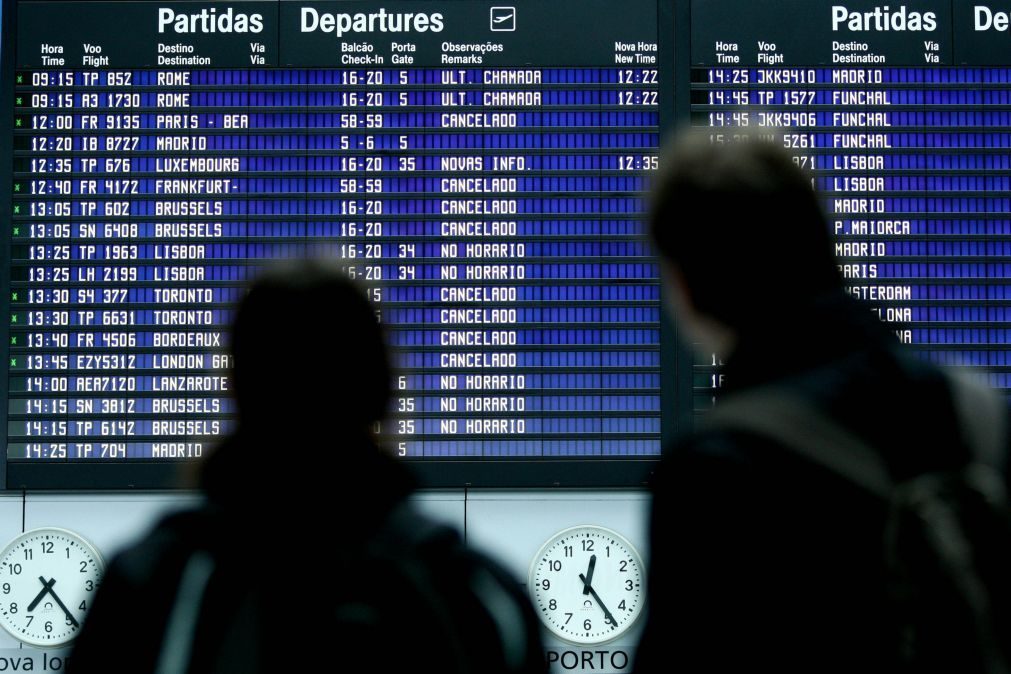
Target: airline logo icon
[503, 18]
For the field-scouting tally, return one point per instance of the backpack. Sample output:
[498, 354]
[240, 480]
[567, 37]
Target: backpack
[414, 585]
[947, 546]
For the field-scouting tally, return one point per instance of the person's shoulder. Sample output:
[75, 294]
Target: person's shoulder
[406, 529]
[408, 532]
[139, 580]
[167, 543]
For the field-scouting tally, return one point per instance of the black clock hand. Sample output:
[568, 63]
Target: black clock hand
[70, 616]
[589, 574]
[46, 587]
[607, 614]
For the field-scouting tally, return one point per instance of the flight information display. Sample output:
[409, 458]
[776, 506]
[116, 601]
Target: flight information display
[480, 168]
[902, 112]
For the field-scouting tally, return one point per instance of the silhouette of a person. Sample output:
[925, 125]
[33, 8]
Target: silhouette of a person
[307, 546]
[760, 559]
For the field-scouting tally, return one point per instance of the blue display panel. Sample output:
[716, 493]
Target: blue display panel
[485, 183]
[902, 115]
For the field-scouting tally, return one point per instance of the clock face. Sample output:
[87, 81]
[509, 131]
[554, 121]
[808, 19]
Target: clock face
[587, 584]
[47, 580]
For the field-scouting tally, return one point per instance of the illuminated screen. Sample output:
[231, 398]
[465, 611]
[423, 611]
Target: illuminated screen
[903, 113]
[480, 168]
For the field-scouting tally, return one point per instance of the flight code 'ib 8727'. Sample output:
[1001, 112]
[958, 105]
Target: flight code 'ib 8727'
[489, 198]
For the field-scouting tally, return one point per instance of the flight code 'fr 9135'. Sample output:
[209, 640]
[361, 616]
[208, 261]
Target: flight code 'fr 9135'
[489, 201]
[493, 212]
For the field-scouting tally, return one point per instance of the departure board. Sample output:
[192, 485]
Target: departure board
[481, 168]
[902, 112]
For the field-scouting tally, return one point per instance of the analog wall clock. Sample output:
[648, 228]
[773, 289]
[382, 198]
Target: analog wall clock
[48, 578]
[588, 584]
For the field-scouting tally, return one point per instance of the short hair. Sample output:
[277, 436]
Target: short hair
[738, 220]
[308, 348]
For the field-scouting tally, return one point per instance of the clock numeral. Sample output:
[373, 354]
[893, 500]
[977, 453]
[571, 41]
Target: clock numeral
[589, 620]
[39, 557]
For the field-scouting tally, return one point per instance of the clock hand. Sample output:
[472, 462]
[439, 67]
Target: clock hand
[70, 616]
[46, 587]
[589, 574]
[607, 614]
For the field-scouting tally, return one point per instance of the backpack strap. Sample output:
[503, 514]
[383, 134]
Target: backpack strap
[190, 531]
[505, 614]
[983, 418]
[177, 645]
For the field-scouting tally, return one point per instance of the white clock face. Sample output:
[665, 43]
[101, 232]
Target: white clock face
[47, 580]
[587, 584]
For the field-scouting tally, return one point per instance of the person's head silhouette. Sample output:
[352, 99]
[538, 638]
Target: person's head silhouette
[741, 234]
[309, 355]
